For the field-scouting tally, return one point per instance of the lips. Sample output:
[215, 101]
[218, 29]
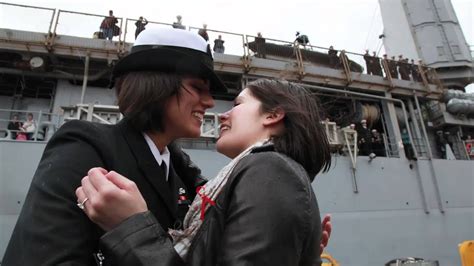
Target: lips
[224, 127]
[199, 116]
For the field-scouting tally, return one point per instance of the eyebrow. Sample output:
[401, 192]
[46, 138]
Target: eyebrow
[198, 85]
[238, 98]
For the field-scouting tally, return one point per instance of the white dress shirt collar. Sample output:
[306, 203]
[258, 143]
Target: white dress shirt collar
[159, 157]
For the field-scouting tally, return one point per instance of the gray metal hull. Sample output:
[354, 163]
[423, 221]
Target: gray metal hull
[384, 220]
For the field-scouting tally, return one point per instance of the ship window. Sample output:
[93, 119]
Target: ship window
[456, 49]
[440, 50]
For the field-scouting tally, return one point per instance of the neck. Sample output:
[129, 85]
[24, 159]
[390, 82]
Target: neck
[160, 140]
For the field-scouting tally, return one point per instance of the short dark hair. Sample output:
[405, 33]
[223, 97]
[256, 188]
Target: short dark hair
[304, 138]
[141, 97]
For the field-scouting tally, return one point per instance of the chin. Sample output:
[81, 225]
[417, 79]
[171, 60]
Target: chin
[195, 134]
[226, 149]
[219, 145]
[221, 148]
[191, 134]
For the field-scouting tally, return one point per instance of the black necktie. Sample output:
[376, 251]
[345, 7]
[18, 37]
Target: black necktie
[164, 169]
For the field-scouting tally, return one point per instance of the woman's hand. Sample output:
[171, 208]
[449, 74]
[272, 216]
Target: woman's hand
[327, 228]
[109, 198]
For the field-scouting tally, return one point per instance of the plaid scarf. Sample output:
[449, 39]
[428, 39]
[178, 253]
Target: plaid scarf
[206, 195]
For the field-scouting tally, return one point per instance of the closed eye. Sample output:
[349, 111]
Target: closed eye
[196, 88]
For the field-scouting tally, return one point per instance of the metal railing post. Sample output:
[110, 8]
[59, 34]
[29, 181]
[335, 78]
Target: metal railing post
[125, 34]
[243, 46]
[86, 75]
[35, 134]
[51, 24]
[56, 24]
[120, 33]
[423, 71]
[299, 60]
[345, 65]
[247, 59]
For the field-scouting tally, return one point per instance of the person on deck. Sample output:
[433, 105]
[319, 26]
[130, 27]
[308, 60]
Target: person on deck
[203, 32]
[29, 126]
[219, 45]
[333, 58]
[140, 26]
[108, 24]
[14, 126]
[179, 23]
[368, 62]
[301, 39]
[260, 43]
[376, 67]
[364, 138]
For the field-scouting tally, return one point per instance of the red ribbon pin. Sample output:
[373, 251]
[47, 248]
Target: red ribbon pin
[204, 201]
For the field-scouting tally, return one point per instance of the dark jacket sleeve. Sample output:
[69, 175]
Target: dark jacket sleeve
[51, 229]
[271, 214]
[271, 218]
[139, 240]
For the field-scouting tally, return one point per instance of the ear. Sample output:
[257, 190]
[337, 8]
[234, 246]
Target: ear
[274, 117]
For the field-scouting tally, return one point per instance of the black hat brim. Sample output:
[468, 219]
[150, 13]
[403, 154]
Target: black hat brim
[169, 59]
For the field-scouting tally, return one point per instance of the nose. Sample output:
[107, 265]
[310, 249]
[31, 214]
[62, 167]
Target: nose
[207, 100]
[224, 116]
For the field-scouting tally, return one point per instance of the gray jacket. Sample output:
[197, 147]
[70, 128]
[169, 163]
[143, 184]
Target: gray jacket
[267, 214]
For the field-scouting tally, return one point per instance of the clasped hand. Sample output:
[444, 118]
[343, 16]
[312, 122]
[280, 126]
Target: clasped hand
[111, 197]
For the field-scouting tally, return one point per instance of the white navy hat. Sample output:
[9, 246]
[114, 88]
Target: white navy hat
[170, 50]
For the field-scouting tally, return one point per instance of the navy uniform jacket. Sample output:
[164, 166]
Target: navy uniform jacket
[52, 230]
[266, 214]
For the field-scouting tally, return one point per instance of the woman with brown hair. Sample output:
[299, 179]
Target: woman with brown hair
[163, 89]
[259, 210]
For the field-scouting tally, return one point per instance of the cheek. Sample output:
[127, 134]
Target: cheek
[171, 113]
[178, 109]
[171, 105]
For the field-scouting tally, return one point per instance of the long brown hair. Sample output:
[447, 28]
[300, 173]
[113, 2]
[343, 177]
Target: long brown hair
[304, 139]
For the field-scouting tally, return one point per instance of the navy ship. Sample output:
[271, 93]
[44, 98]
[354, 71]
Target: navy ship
[410, 193]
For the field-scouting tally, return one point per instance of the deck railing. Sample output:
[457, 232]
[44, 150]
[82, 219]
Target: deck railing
[48, 123]
[45, 125]
[80, 24]
[110, 114]
[67, 24]
[12, 13]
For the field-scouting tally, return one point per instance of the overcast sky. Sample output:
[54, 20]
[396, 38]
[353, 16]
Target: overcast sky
[353, 25]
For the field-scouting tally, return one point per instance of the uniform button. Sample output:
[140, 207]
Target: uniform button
[177, 225]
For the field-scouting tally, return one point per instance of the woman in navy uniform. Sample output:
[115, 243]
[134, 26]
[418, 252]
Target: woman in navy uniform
[163, 90]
